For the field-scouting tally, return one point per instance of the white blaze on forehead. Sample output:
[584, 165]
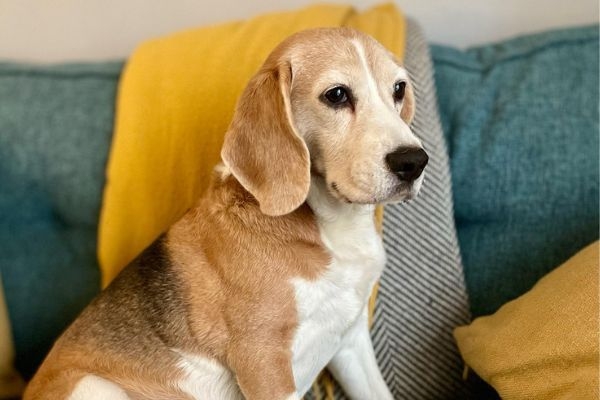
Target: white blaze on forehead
[401, 135]
[363, 60]
[402, 75]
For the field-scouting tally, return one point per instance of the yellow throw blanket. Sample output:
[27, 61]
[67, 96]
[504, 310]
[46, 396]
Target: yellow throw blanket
[176, 99]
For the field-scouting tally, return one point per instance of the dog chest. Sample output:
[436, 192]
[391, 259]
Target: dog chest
[328, 306]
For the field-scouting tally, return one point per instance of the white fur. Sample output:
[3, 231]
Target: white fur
[206, 379]
[355, 367]
[92, 387]
[363, 61]
[223, 171]
[330, 309]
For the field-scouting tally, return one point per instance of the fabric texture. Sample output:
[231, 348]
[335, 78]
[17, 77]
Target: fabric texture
[422, 295]
[543, 345]
[175, 102]
[521, 120]
[11, 384]
[55, 129]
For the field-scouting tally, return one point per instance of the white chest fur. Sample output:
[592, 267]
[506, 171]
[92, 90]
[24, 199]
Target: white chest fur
[329, 306]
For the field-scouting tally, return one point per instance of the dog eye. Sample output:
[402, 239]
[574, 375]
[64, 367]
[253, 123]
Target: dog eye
[399, 89]
[336, 96]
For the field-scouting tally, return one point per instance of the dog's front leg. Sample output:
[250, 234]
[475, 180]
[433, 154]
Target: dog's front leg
[264, 372]
[354, 366]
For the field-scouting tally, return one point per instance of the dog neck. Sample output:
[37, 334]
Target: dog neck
[344, 226]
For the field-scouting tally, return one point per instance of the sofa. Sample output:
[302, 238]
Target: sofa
[520, 118]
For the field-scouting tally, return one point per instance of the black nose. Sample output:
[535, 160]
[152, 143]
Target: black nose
[407, 162]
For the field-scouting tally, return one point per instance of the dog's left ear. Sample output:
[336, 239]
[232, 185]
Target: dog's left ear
[262, 148]
[407, 112]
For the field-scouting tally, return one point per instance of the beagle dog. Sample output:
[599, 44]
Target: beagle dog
[265, 281]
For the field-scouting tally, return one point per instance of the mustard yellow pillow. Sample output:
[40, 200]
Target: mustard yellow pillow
[543, 345]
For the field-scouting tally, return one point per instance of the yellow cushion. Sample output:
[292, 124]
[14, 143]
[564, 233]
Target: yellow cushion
[543, 345]
[176, 98]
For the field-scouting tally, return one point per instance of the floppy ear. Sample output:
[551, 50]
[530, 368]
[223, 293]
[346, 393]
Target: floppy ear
[407, 112]
[262, 148]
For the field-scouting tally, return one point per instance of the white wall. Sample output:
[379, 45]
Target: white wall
[67, 30]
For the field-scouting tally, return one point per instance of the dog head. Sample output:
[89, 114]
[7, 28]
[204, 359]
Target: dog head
[330, 102]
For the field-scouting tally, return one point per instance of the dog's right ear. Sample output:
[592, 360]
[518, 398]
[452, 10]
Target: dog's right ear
[262, 148]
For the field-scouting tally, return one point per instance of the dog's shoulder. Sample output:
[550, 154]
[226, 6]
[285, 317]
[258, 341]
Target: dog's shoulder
[143, 303]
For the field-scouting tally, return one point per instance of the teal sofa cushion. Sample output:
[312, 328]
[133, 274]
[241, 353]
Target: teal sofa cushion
[55, 132]
[521, 121]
